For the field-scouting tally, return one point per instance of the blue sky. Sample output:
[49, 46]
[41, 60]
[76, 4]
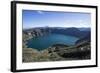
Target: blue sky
[32, 18]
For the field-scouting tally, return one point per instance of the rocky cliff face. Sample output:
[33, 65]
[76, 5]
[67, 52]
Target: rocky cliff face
[36, 32]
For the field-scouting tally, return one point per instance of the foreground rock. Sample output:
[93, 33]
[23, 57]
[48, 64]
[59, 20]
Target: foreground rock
[58, 53]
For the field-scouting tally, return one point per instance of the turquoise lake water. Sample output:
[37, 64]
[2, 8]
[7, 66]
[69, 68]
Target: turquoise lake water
[44, 42]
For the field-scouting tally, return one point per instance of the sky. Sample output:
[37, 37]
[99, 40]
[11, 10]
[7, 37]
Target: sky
[32, 18]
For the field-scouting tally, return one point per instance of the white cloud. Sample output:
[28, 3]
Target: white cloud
[40, 12]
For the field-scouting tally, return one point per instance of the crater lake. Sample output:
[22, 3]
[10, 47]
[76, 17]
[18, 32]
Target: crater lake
[46, 41]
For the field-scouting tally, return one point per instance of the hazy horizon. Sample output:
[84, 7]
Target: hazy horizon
[55, 27]
[33, 19]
